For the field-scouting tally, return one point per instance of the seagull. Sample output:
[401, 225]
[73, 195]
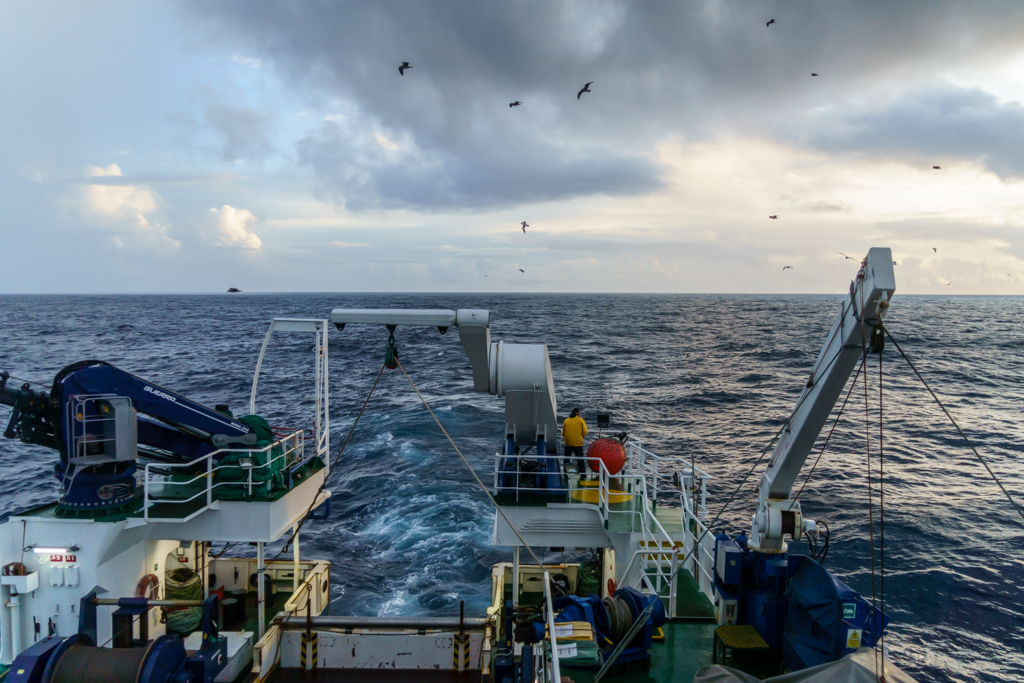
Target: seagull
[584, 89]
[850, 257]
[521, 270]
[525, 226]
[814, 74]
[785, 267]
[948, 284]
[770, 22]
[937, 168]
[773, 217]
[514, 104]
[401, 69]
[935, 250]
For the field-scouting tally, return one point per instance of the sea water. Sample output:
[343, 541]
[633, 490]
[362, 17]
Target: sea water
[703, 377]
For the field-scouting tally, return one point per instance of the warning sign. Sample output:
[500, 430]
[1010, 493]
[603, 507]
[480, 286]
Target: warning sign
[853, 637]
[849, 610]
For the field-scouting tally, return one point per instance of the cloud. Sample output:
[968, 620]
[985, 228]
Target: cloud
[824, 206]
[367, 171]
[245, 133]
[125, 207]
[661, 70]
[235, 227]
[935, 124]
[349, 244]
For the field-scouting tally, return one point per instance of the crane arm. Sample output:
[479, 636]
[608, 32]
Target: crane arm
[852, 333]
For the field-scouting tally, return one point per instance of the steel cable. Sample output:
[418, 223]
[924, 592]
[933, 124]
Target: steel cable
[470, 468]
[960, 431]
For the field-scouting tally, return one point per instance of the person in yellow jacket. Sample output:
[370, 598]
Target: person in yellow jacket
[573, 431]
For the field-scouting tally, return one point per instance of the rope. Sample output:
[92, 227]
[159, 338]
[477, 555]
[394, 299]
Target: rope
[334, 462]
[881, 502]
[470, 468]
[867, 447]
[960, 431]
[28, 381]
[830, 431]
[707, 528]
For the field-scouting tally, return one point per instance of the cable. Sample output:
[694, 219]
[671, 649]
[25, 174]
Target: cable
[960, 431]
[28, 381]
[470, 468]
[333, 463]
[696, 543]
[867, 447]
[881, 504]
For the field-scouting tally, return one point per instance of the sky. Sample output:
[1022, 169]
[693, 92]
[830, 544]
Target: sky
[193, 146]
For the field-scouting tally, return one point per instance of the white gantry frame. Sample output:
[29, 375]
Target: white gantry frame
[321, 411]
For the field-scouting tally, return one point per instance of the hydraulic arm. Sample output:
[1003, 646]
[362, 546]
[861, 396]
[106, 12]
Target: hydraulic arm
[99, 418]
[856, 331]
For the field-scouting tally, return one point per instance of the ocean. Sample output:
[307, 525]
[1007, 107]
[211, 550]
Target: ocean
[708, 377]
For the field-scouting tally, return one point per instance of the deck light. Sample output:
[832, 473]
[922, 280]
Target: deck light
[50, 550]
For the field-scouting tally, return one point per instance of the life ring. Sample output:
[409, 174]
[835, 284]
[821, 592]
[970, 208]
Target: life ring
[148, 587]
[611, 586]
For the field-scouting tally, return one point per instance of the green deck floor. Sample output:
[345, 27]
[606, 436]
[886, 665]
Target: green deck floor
[685, 650]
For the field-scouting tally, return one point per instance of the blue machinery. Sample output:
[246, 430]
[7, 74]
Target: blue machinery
[99, 418]
[805, 614]
[77, 659]
[624, 634]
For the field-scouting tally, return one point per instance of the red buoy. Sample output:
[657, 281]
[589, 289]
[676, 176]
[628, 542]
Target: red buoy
[609, 451]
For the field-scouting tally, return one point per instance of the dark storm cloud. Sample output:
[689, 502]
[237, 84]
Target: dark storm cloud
[661, 70]
[940, 123]
[363, 173]
[245, 133]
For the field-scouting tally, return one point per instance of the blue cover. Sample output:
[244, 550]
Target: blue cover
[820, 612]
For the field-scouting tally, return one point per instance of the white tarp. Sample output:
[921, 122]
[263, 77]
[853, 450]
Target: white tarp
[856, 667]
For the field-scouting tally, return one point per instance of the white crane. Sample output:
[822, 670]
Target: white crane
[862, 312]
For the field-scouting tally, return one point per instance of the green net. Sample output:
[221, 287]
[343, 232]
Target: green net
[232, 481]
[183, 584]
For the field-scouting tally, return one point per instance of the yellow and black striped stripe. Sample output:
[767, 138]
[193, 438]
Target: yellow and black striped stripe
[310, 646]
[460, 651]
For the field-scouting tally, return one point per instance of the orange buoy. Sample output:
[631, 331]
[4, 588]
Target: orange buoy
[609, 451]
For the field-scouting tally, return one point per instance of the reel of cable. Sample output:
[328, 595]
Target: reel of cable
[82, 663]
[620, 618]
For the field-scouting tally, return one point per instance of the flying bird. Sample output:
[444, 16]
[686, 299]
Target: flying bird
[514, 104]
[935, 250]
[770, 22]
[584, 89]
[525, 226]
[849, 257]
[785, 267]
[814, 74]
[937, 168]
[773, 217]
[521, 270]
[949, 283]
[401, 69]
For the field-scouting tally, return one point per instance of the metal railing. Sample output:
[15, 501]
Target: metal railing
[552, 668]
[626, 502]
[286, 453]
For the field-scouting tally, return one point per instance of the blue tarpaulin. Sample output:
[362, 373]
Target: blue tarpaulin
[825, 619]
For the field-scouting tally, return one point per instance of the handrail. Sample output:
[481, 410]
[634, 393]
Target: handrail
[297, 446]
[556, 672]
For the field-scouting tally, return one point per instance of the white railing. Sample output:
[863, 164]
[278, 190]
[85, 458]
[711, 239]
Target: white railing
[632, 493]
[552, 668]
[700, 545]
[159, 485]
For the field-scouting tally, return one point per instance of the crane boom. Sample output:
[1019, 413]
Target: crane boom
[852, 333]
